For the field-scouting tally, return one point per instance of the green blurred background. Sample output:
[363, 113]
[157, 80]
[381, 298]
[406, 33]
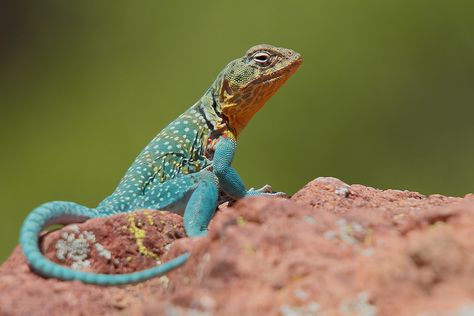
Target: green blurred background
[384, 96]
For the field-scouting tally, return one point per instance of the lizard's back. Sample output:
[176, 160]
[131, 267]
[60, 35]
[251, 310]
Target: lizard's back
[179, 149]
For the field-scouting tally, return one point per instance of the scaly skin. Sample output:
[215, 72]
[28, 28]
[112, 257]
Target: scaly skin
[183, 169]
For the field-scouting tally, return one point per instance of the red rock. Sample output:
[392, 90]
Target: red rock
[332, 249]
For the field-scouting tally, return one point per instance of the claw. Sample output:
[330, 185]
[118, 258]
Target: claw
[265, 189]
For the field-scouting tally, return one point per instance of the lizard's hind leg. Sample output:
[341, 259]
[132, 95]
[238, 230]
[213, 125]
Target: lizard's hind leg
[195, 194]
[201, 205]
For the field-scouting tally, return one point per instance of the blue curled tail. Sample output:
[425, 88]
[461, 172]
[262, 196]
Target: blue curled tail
[59, 212]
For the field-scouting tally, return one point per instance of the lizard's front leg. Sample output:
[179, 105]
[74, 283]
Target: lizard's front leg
[229, 180]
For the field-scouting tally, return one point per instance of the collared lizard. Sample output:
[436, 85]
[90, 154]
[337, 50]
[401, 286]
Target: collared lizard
[183, 169]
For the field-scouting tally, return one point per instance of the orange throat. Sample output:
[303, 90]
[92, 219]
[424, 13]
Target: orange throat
[241, 107]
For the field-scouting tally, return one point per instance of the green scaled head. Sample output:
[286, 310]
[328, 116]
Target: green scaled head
[247, 83]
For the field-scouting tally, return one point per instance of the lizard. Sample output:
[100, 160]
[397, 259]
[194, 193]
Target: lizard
[183, 169]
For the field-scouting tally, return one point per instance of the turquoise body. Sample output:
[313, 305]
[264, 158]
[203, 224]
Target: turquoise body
[183, 169]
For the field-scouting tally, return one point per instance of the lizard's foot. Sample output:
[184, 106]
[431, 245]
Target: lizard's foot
[266, 190]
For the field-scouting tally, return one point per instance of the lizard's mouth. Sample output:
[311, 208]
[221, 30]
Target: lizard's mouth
[275, 78]
[284, 73]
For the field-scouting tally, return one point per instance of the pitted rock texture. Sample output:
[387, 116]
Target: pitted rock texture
[332, 249]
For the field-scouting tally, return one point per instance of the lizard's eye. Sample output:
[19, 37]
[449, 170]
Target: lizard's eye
[262, 58]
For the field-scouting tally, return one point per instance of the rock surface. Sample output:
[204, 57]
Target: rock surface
[332, 249]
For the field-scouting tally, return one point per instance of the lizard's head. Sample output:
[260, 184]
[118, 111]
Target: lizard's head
[248, 82]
